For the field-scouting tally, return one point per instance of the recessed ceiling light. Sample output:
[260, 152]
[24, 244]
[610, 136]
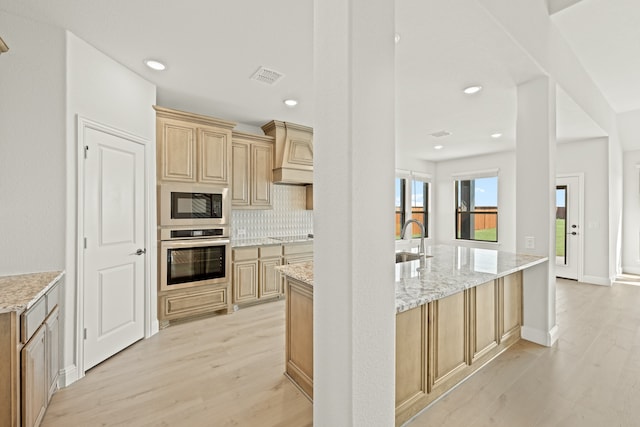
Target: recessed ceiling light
[472, 89]
[290, 102]
[496, 135]
[438, 147]
[155, 65]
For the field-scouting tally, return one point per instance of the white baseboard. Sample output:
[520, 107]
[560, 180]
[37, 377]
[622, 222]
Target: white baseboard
[545, 338]
[631, 270]
[553, 335]
[596, 280]
[155, 327]
[68, 376]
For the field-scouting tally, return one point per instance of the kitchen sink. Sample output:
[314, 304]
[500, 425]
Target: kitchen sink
[407, 256]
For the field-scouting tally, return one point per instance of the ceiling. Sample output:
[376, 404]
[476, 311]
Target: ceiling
[213, 47]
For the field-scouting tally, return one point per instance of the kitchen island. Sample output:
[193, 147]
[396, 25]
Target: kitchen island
[455, 312]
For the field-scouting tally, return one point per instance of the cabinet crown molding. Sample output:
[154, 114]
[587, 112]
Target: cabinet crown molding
[252, 137]
[192, 117]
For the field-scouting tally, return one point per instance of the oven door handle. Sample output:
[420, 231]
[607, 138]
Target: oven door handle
[194, 243]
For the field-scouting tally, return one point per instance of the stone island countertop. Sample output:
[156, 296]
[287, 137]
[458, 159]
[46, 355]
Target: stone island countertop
[18, 293]
[448, 270]
[302, 271]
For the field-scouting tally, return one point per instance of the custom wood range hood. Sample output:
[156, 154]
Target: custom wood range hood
[293, 156]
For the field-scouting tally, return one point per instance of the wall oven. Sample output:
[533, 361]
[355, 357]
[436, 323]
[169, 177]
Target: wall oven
[194, 257]
[193, 205]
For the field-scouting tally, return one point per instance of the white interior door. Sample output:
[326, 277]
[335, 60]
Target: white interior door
[114, 229]
[568, 227]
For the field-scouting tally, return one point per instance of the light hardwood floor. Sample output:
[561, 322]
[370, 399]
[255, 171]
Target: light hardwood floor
[220, 371]
[227, 371]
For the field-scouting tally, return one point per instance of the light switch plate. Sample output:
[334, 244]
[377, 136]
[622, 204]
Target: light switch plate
[529, 242]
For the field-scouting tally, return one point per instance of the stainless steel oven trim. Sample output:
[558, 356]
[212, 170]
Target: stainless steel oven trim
[164, 204]
[194, 243]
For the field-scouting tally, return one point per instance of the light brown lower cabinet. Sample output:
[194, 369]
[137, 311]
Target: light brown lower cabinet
[29, 361]
[441, 343]
[299, 335]
[34, 379]
[192, 302]
[255, 277]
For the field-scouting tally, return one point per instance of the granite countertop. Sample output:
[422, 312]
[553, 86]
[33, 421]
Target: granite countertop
[18, 293]
[276, 240]
[302, 271]
[452, 269]
[449, 270]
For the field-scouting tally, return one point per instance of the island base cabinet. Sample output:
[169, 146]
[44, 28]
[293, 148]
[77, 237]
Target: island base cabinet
[299, 335]
[440, 344]
[411, 358]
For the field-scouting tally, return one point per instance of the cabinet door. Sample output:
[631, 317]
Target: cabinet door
[53, 355]
[269, 277]
[213, 155]
[450, 338]
[176, 150]
[245, 281]
[192, 302]
[240, 156]
[34, 379]
[484, 320]
[261, 175]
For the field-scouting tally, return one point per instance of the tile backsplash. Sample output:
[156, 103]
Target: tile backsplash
[288, 217]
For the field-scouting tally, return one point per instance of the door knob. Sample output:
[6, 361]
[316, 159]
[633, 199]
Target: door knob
[141, 251]
[573, 233]
[574, 226]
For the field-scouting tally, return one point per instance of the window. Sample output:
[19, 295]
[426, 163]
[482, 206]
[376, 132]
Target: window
[401, 184]
[412, 201]
[477, 209]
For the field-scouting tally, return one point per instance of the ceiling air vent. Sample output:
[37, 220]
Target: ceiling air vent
[266, 75]
[440, 134]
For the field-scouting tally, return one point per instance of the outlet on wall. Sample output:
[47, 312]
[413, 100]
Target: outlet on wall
[529, 242]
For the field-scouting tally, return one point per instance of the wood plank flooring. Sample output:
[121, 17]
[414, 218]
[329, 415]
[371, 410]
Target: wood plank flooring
[227, 371]
[590, 377]
[220, 371]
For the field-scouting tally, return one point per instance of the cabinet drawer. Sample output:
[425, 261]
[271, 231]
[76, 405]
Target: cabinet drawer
[192, 303]
[245, 254]
[297, 248]
[52, 298]
[32, 319]
[270, 251]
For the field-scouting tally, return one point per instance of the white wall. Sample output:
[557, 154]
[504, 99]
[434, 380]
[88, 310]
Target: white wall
[631, 216]
[408, 162]
[444, 201]
[529, 24]
[590, 158]
[32, 147]
[102, 90]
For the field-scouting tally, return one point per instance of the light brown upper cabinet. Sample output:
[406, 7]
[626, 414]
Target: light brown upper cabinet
[192, 147]
[252, 165]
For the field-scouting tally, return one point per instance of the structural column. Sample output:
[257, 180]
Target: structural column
[535, 204]
[354, 162]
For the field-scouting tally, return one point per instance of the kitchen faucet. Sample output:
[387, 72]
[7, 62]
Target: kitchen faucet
[404, 228]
